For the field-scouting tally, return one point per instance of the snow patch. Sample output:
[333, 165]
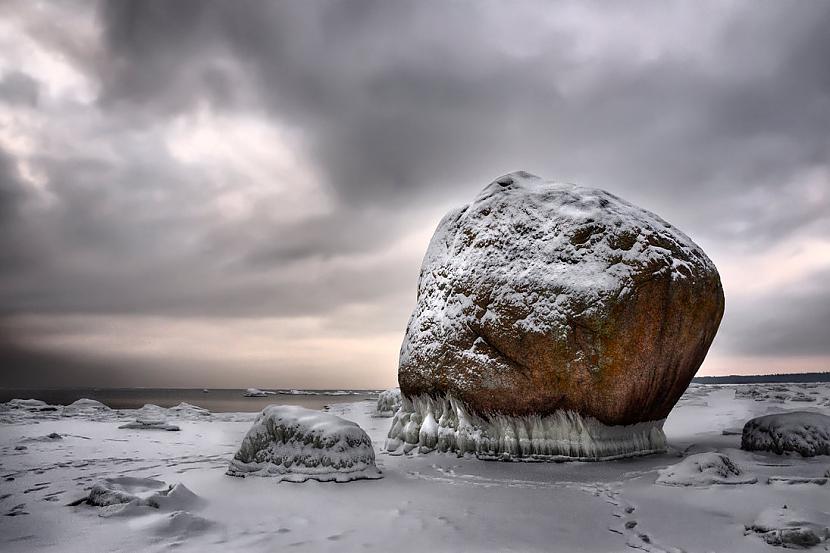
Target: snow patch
[295, 444]
[445, 424]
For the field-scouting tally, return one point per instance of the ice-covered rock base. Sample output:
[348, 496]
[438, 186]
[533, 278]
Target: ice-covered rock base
[445, 424]
[295, 444]
[801, 432]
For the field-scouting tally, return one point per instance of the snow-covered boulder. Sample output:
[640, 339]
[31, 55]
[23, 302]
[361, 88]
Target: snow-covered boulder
[791, 528]
[543, 299]
[388, 402]
[801, 432]
[296, 444]
[704, 469]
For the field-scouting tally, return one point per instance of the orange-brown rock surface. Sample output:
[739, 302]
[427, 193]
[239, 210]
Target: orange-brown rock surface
[543, 297]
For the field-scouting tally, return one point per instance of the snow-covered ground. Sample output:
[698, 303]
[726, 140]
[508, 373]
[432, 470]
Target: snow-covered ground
[434, 502]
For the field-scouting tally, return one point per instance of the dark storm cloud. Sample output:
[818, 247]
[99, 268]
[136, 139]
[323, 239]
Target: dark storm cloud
[720, 125]
[400, 100]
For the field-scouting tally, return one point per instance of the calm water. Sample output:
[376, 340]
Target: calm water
[219, 400]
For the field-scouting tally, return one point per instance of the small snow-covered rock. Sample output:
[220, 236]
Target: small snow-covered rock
[801, 432]
[790, 527]
[52, 437]
[389, 401]
[704, 469]
[295, 444]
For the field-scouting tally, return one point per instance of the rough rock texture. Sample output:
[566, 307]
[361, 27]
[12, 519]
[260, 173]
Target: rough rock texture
[296, 444]
[801, 432]
[541, 297]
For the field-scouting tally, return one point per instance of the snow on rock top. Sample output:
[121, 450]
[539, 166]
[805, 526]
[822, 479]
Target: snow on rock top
[296, 444]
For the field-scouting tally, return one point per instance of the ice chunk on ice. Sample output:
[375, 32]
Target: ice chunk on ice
[704, 469]
[803, 432]
[126, 495]
[144, 424]
[256, 392]
[295, 444]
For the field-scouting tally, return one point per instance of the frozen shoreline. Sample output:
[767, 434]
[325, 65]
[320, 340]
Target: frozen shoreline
[430, 502]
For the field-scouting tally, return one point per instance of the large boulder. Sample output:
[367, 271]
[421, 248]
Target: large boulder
[542, 299]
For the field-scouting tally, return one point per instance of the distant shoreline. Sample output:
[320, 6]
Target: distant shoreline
[763, 378]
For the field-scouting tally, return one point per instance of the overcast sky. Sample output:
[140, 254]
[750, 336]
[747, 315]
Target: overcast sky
[240, 193]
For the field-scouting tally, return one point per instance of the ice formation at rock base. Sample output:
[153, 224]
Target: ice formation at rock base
[294, 444]
[445, 424]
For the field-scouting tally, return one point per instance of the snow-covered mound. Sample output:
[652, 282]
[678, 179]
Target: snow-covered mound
[444, 424]
[295, 444]
[150, 424]
[791, 528]
[86, 403]
[802, 432]
[119, 495]
[704, 469]
[388, 402]
[28, 405]
[256, 392]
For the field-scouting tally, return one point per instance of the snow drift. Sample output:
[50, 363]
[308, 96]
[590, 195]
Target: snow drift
[294, 444]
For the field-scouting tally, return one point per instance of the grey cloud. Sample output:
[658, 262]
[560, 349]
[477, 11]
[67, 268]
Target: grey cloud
[16, 87]
[400, 107]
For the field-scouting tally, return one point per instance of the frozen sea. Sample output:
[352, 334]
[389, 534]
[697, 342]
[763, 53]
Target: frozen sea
[430, 502]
